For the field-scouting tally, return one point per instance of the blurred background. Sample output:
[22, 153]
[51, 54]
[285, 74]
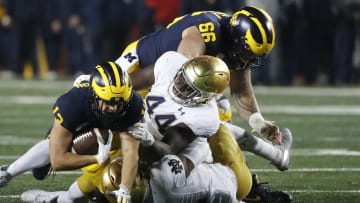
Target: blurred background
[317, 41]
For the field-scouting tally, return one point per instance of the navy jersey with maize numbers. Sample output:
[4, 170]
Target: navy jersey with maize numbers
[210, 24]
[73, 111]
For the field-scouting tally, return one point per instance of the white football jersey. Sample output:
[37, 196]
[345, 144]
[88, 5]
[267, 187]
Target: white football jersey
[163, 111]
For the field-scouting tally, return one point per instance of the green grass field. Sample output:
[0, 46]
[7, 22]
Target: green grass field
[325, 160]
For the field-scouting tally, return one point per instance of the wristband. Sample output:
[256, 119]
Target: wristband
[124, 188]
[257, 122]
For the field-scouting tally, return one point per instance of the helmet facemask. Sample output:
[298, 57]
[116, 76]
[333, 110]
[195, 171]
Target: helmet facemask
[97, 105]
[199, 80]
[241, 56]
[110, 91]
[184, 92]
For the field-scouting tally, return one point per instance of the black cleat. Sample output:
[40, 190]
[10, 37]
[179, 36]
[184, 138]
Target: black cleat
[41, 172]
[260, 193]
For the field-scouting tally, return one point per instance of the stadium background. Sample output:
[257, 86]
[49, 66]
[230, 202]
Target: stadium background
[309, 83]
[317, 42]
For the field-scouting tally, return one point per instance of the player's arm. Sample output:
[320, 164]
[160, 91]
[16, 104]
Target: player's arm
[176, 138]
[246, 105]
[129, 148]
[60, 156]
[192, 43]
[242, 93]
[143, 77]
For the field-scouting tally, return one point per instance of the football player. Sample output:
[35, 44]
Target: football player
[181, 105]
[179, 109]
[106, 101]
[242, 40]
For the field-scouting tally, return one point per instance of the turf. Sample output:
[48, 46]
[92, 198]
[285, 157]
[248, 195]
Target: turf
[325, 160]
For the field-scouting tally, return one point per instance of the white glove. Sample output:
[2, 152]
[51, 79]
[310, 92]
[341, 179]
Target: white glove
[104, 148]
[122, 195]
[139, 132]
[223, 103]
[81, 79]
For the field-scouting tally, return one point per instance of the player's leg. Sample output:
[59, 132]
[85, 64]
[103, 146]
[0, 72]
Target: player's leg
[37, 156]
[227, 152]
[71, 195]
[277, 154]
[37, 195]
[260, 193]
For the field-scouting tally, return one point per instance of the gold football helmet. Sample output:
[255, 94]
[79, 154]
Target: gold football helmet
[111, 84]
[199, 80]
[111, 178]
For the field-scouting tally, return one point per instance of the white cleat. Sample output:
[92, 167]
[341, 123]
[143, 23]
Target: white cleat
[283, 163]
[39, 196]
[4, 176]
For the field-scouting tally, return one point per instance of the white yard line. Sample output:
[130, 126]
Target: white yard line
[323, 191]
[310, 170]
[290, 191]
[309, 110]
[27, 100]
[308, 91]
[285, 109]
[294, 152]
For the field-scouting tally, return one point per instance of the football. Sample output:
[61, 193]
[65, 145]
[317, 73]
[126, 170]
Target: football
[85, 143]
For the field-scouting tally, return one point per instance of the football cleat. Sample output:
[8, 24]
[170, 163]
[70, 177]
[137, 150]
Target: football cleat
[41, 172]
[286, 143]
[32, 196]
[3, 167]
[260, 193]
[4, 176]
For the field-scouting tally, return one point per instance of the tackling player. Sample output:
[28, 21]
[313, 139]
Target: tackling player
[242, 40]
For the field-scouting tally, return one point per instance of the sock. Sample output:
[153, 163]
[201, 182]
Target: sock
[71, 195]
[37, 156]
[254, 144]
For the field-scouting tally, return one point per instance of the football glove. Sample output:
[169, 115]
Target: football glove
[139, 132]
[122, 195]
[104, 148]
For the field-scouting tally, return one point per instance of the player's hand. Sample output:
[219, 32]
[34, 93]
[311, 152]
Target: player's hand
[104, 148]
[271, 132]
[122, 195]
[139, 132]
[265, 128]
